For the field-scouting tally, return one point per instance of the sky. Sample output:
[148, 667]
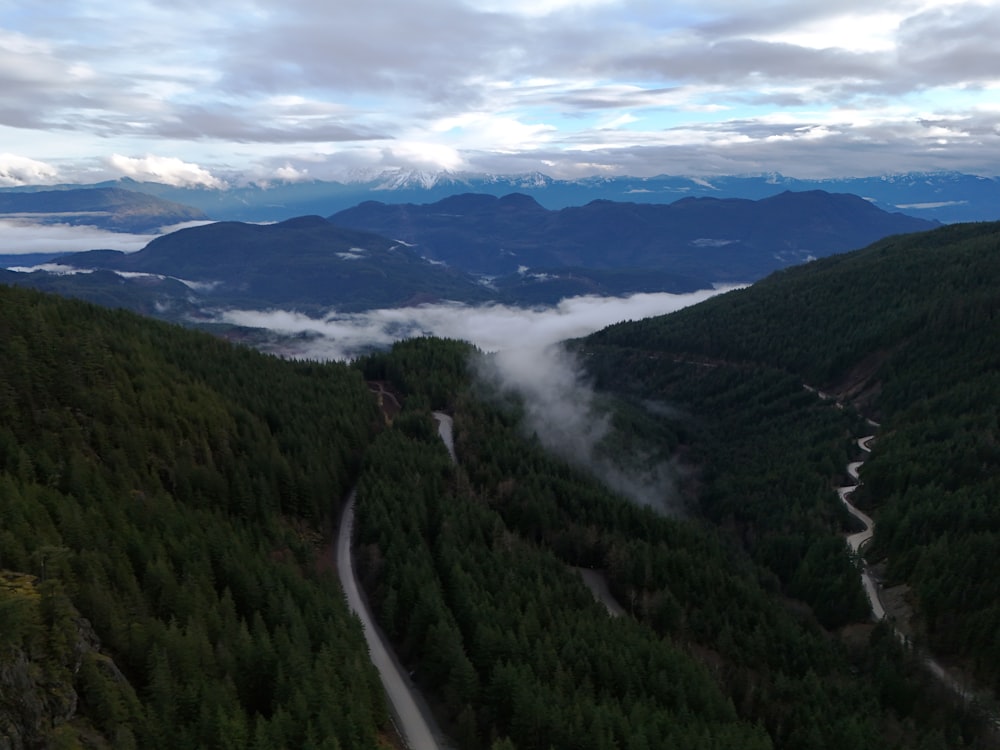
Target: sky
[217, 92]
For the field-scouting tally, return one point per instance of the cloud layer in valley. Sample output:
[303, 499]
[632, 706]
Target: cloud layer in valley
[213, 92]
[490, 327]
[22, 238]
[522, 353]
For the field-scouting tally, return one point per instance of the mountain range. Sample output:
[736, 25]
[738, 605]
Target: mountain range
[710, 239]
[473, 248]
[941, 196]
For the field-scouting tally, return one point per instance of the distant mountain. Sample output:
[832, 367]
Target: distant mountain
[942, 196]
[304, 263]
[701, 238]
[110, 208]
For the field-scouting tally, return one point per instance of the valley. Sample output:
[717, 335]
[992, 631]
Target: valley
[738, 584]
[898, 614]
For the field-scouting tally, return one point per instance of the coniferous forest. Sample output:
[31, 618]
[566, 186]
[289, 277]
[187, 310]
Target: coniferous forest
[907, 332]
[167, 501]
[162, 495]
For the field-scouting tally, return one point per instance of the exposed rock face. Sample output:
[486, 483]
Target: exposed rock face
[43, 644]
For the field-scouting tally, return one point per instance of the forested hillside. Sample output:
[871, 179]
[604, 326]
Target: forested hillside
[908, 332]
[165, 496]
[470, 567]
[162, 501]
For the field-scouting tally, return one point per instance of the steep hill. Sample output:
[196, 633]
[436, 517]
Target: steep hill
[907, 331]
[703, 238]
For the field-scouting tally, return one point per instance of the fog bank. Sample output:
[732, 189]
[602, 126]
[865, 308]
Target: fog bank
[564, 412]
[523, 354]
[492, 328]
[21, 236]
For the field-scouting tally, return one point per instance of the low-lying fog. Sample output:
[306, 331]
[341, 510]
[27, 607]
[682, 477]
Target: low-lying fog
[492, 328]
[21, 236]
[521, 354]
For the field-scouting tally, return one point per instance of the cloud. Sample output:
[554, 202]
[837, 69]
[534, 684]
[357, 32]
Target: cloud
[496, 86]
[490, 327]
[19, 170]
[933, 204]
[523, 354]
[562, 410]
[21, 238]
[165, 169]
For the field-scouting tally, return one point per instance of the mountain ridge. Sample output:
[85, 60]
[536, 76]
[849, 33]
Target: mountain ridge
[944, 196]
[483, 234]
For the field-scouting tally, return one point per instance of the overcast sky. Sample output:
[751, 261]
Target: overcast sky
[216, 91]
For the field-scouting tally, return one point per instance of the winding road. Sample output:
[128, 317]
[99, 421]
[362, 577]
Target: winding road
[858, 540]
[413, 722]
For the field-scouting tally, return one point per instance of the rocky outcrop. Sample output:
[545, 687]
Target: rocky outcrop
[44, 642]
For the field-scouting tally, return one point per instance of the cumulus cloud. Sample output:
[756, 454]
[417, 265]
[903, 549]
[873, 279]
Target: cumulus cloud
[166, 169]
[288, 173]
[19, 170]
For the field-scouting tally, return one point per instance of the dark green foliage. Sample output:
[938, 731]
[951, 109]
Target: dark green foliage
[468, 568]
[428, 369]
[505, 636]
[907, 330]
[168, 487]
[174, 488]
